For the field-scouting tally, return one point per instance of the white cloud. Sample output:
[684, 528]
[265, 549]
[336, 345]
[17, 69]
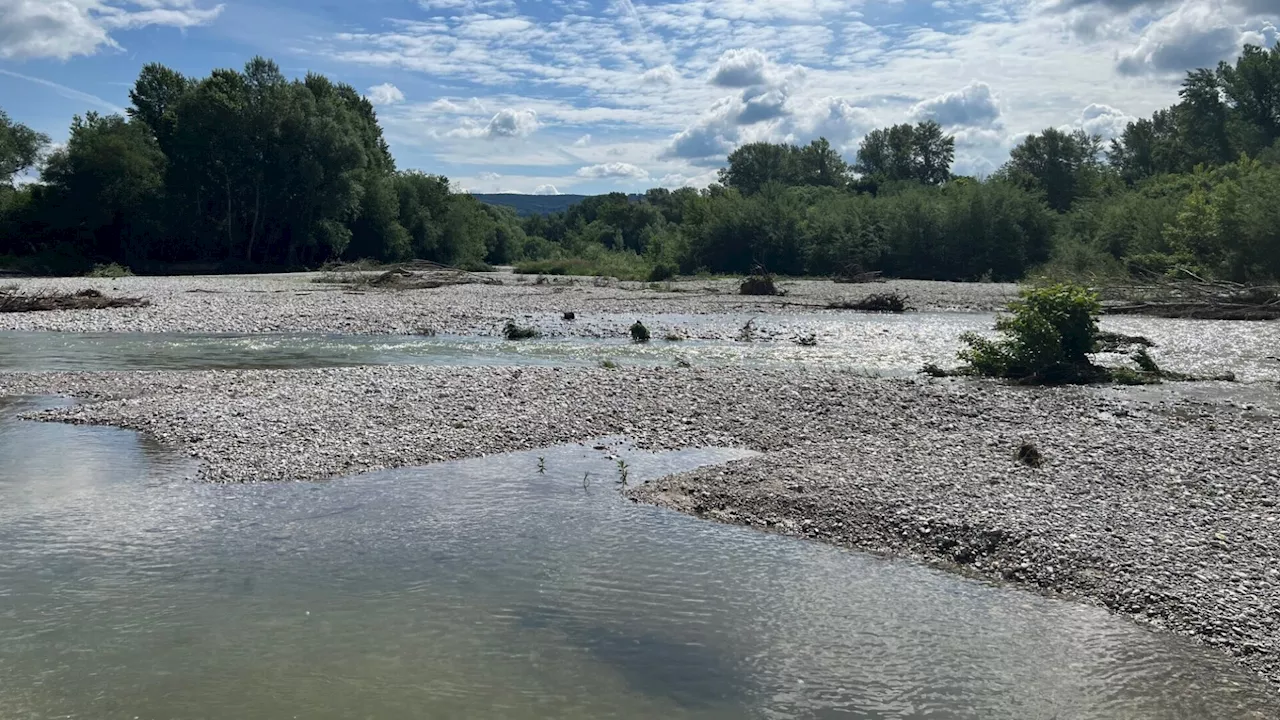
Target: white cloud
[583, 141]
[1104, 120]
[664, 75]
[546, 189]
[613, 170]
[740, 69]
[974, 105]
[488, 176]
[507, 123]
[385, 94]
[63, 29]
[1195, 34]
[513, 123]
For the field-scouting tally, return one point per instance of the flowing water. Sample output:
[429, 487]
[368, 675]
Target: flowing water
[880, 344]
[491, 589]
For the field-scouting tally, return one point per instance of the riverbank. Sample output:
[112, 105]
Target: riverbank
[298, 303]
[1164, 510]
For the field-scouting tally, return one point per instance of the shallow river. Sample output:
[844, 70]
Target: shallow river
[880, 344]
[489, 589]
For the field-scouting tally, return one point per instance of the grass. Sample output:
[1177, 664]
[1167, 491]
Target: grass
[623, 266]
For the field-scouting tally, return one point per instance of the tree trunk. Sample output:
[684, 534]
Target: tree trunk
[257, 208]
[231, 238]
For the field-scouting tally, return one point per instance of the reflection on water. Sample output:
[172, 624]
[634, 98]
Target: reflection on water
[485, 589]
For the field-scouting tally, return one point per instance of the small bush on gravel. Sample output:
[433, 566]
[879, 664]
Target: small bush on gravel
[639, 333]
[112, 270]
[1047, 338]
[512, 331]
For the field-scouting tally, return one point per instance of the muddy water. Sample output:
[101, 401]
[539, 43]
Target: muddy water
[489, 588]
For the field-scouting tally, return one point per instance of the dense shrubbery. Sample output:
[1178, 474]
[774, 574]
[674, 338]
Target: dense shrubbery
[1047, 337]
[250, 170]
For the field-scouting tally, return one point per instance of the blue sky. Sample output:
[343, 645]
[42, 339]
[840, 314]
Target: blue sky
[596, 95]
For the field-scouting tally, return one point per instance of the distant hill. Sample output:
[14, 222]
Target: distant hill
[526, 205]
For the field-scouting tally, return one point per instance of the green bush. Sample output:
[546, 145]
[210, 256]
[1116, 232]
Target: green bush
[112, 270]
[1047, 338]
[663, 271]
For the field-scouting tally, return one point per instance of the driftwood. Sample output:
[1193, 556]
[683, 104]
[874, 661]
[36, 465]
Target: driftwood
[12, 301]
[1194, 297]
[859, 277]
[416, 275]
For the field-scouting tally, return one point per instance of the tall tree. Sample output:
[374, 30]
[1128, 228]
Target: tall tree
[755, 165]
[20, 148]
[1062, 165]
[921, 152]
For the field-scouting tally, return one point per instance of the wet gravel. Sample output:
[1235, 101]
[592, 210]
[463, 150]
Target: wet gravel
[296, 303]
[1159, 508]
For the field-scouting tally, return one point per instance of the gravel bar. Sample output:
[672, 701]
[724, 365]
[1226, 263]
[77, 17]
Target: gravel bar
[297, 303]
[1163, 510]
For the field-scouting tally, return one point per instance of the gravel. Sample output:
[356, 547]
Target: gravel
[1161, 509]
[296, 303]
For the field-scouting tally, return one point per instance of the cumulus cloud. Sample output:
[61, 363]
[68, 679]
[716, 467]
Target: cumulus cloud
[385, 94]
[63, 29]
[512, 123]
[664, 75]
[740, 68]
[613, 170]
[487, 175]
[583, 141]
[1104, 120]
[763, 104]
[508, 123]
[546, 190]
[711, 138]
[839, 120]
[1195, 34]
[974, 105]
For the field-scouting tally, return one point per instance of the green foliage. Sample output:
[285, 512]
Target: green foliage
[20, 148]
[921, 153]
[1061, 166]
[639, 333]
[624, 266]
[1048, 336]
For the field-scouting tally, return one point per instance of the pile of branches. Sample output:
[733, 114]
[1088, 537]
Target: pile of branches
[1193, 297]
[416, 275]
[880, 302]
[12, 301]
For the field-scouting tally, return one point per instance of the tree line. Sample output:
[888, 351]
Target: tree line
[248, 170]
[237, 170]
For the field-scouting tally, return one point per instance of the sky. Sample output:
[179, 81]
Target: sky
[590, 96]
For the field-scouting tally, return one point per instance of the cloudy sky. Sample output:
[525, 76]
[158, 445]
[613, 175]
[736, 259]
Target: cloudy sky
[595, 95]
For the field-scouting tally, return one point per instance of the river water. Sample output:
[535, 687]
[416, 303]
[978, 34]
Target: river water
[880, 344]
[515, 586]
